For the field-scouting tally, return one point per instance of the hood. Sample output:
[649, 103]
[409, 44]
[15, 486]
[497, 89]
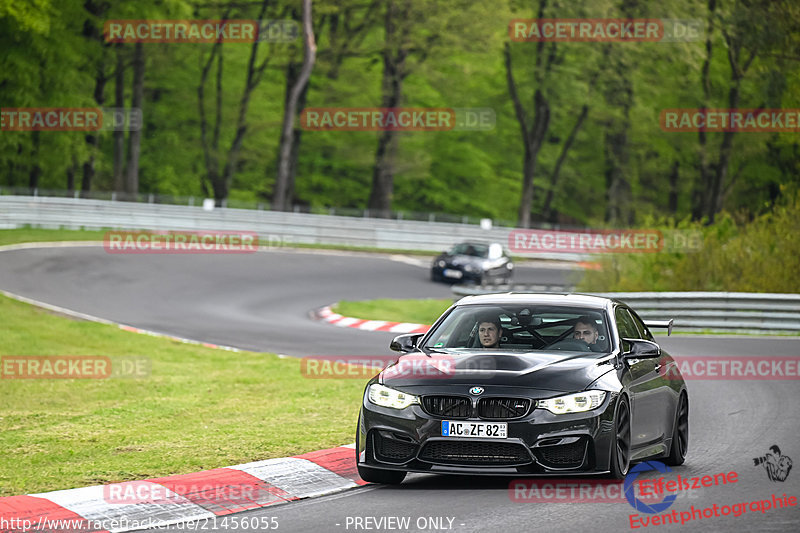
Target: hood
[546, 370]
[460, 260]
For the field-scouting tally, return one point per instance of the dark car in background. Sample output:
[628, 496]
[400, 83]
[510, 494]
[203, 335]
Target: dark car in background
[541, 400]
[473, 262]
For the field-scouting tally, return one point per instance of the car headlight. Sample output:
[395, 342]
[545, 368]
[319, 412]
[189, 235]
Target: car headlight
[387, 397]
[573, 403]
[442, 264]
[468, 268]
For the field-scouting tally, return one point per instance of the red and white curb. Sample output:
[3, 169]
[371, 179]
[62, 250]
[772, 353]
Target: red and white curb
[203, 495]
[326, 314]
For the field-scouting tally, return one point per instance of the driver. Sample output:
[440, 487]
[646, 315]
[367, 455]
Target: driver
[489, 332]
[586, 330]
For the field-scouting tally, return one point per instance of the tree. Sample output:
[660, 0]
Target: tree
[281, 199]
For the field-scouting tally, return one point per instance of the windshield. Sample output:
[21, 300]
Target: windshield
[523, 328]
[475, 250]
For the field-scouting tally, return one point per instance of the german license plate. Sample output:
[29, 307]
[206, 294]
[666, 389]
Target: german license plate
[486, 430]
[450, 273]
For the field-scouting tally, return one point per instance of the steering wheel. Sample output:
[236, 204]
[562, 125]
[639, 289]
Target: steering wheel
[559, 338]
[572, 345]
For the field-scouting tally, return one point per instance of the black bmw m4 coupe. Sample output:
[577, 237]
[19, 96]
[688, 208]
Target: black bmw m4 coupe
[516, 384]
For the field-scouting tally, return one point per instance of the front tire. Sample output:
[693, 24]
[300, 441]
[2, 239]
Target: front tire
[680, 435]
[621, 446]
[385, 477]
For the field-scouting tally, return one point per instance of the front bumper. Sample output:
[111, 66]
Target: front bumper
[539, 443]
[473, 276]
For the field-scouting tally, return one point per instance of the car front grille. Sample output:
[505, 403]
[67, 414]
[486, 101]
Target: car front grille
[488, 408]
[474, 453]
[447, 406]
[503, 408]
[562, 456]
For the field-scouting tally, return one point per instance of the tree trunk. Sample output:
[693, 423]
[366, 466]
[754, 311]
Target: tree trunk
[380, 197]
[279, 198]
[93, 139]
[36, 170]
[721, 174]
[739, 66]
[252, 79]
[119, 133]
[617, 186]
[71, 171]
[547, 209]
[699, 195]
[132, 182]
[298, 133]
[674, 178]
[617, 150]
[532, 137]
[541, 122]
[395, 54]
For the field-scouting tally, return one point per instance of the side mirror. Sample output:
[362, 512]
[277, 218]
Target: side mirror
[640, 349]
[405, 343]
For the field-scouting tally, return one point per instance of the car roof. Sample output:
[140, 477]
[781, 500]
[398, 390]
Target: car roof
[482, 243]
[580, 300]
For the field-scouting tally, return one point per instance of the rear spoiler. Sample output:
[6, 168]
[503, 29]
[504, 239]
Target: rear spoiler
[660, 324]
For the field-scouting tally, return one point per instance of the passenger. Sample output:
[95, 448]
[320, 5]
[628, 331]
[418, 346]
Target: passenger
[489, 333]
[586, 330]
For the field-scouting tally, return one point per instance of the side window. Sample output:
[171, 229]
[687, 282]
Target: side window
[625, 324]
[644, 333]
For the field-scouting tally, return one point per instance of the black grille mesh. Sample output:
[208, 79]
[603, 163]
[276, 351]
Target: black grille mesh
[564, 455]
[447, 406]
[503, 408]
[472, 453]
[393, 449]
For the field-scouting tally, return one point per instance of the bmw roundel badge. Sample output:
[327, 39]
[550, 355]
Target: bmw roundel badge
[476, 390]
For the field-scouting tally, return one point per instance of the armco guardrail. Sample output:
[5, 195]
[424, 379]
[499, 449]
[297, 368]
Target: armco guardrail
[713, 311]
[271, 226]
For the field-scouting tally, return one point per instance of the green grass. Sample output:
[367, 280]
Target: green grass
[416, 311]
[199, 408]
[14, 236]
[427, 311]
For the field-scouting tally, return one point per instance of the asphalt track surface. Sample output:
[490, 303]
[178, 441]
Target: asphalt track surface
[261, 302]
[257, 301]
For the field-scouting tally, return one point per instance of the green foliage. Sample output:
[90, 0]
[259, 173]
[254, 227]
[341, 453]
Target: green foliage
[47, 60]
[762, 255]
